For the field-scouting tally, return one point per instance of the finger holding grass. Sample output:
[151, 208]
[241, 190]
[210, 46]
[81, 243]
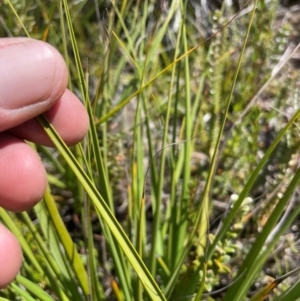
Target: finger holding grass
[33, 80]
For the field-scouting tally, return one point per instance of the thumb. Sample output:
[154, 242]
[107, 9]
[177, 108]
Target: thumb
[10, 257]
[33, 76]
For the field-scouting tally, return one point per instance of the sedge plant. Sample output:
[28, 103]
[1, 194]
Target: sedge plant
[186, 186]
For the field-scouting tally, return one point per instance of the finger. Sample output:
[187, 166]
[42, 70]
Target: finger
[33, 75]
[22, 178]
[10, 257]
[68, 116]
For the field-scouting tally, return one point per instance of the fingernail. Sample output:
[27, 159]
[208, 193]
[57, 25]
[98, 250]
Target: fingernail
[31, 72]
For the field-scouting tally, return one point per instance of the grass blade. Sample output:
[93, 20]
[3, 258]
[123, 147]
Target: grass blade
[103, 209]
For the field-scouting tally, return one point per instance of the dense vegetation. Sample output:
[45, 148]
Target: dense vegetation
[186, 187]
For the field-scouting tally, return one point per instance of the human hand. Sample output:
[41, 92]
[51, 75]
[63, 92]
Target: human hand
[33, 80]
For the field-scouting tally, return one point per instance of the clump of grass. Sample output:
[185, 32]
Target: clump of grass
[185, 187]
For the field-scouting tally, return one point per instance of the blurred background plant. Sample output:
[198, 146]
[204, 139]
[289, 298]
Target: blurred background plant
[199, 166]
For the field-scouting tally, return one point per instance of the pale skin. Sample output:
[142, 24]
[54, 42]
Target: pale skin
[33, 80]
